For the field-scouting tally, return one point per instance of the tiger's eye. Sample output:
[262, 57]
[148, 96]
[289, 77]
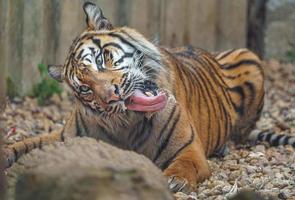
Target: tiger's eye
[99, 60]
[84, 88]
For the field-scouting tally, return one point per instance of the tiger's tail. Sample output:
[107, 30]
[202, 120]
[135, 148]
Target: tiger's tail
[14, 151]
[271, 137]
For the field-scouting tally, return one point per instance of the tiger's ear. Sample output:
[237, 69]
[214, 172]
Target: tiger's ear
[94, 17]
[56, 72]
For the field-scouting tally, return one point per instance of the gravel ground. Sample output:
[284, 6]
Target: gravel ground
[268, 170]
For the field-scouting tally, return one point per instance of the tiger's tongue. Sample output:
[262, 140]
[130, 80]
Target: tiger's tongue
[138, 101]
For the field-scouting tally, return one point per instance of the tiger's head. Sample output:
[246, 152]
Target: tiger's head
[111, 70]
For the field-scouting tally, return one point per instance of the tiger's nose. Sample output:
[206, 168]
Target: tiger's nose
[114, 94]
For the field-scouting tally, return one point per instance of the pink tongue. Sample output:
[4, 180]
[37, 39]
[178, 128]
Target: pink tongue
[141, 102]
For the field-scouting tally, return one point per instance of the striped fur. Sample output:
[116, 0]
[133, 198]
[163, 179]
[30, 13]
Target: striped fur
[272, 138]
[211, 98]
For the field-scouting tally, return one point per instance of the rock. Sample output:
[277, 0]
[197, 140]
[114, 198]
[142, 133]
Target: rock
[82, 168]
[259, 148]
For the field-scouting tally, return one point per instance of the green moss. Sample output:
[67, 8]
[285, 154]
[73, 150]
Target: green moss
[46, 87]
[11, 89]
[291, 55]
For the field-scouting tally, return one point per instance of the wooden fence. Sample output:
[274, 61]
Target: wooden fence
[41, 31]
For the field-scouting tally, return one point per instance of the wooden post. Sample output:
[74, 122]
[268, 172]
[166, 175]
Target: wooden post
[231, 24]
[256, 26]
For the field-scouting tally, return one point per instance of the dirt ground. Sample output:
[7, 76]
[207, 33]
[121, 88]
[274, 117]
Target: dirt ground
[268, 170]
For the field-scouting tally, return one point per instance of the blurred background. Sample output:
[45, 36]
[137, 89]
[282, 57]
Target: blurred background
[35, 32]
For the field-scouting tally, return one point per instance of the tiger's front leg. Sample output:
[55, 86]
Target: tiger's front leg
[187, 169]
[179, 151]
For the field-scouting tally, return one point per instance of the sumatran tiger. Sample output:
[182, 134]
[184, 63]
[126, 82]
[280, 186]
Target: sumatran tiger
[175, 106]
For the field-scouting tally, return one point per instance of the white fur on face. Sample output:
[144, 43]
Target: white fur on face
[92, 54]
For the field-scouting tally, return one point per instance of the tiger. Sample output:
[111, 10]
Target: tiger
[176, 106]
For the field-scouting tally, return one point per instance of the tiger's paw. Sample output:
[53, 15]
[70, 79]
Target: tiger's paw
[183, 175]
[221, 152]
[178, 184]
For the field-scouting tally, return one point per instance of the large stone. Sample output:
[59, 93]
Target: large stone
[82, 168]
[280, 29]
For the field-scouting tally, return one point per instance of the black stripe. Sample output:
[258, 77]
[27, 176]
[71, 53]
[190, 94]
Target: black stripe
[225, 94]
[142, 46]
[212, 65]
[96, 42]
[114, 45]
[121, 68]
[232, 77]
[137, 133]
[217, 144]
[276, 141]
[236, 65]
[261, 136]
[268, 137]
[122, 39]
[203, 76]
[183, 80]
[92, 50]
[167, 122]
[125, 77]
[126, 55]
[212, 88]
[81, 43]
[80, 54]
[106, 135]
[227, 121]
[286, 140]
[200, 84]
[144, 137]
[239, 108]
[129, 88]
[168, 161]
[126, 85]
[260, 108]
[163, 144]
[85, 56]
[203, 91]
[87, 59]
[252, 95]
[225, 54]
[187, 84]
